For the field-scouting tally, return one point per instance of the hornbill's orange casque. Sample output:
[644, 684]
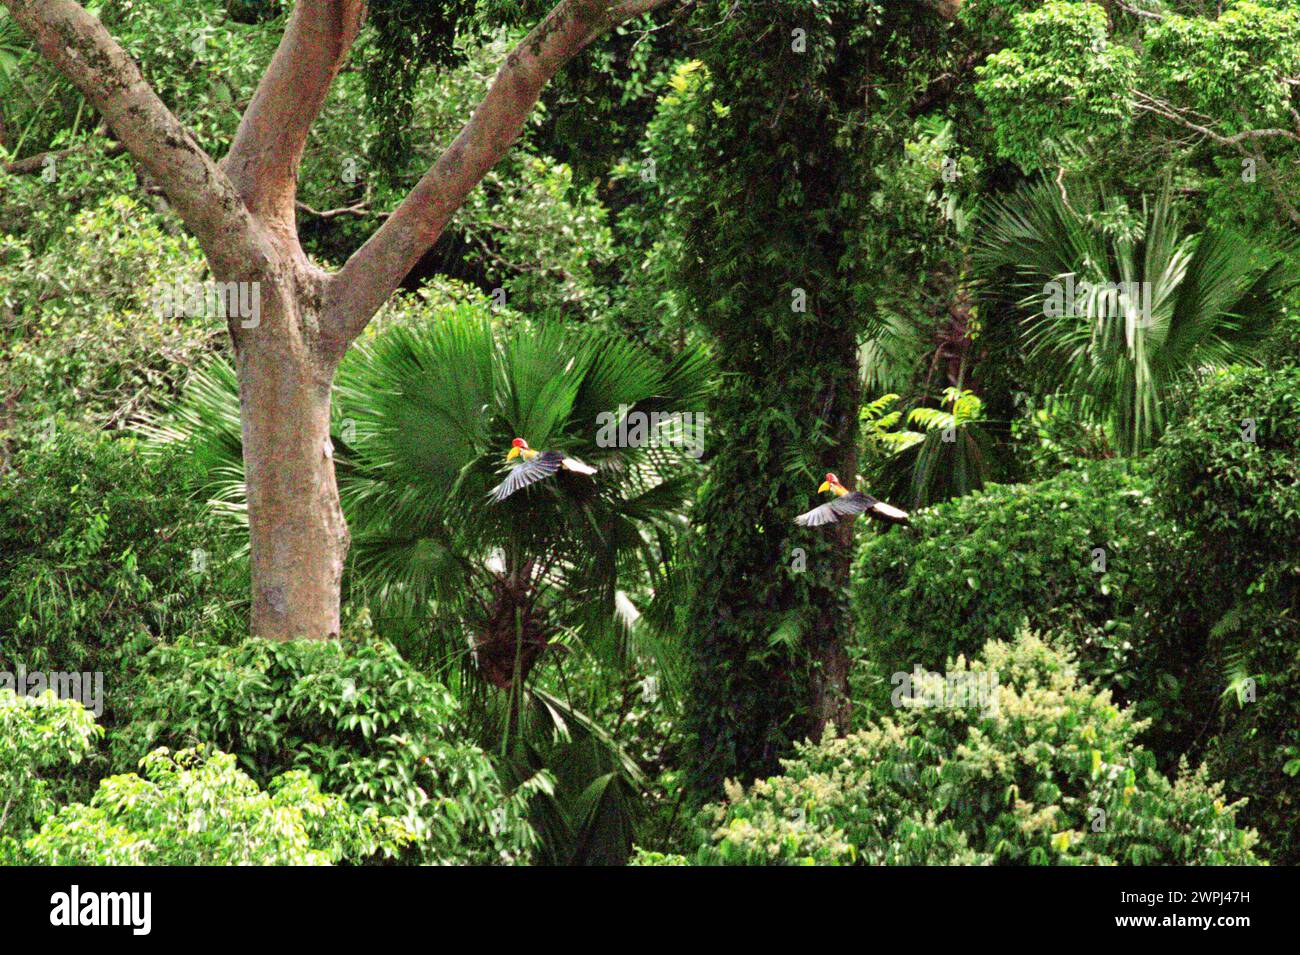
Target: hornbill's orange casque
[848, 504]
[533, 466]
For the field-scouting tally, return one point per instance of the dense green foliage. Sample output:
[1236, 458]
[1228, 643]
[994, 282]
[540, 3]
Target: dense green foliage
[1064, 63]
[1229, 617]
[408, 36]
[1050, 774]
[84, 336]
[355, 717]
[102, 555]
[980, 567]
[38, 735]
[197, 808]
[1113, 560]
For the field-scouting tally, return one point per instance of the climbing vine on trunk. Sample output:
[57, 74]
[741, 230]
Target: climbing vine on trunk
[800, 106]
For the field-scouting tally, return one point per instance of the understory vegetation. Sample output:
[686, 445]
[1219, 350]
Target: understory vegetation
[1025, 270]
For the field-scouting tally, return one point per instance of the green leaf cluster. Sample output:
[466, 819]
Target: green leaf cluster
[39, 736]
[196, 807]
[355, 718]
[1050, 775]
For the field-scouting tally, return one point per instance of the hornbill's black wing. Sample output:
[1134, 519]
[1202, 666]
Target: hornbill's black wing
[822, 514]
[527, 472]
[849, 505]
[886, 512]
[846, 506]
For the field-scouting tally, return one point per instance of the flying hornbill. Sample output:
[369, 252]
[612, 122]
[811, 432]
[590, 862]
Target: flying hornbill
[848, 504]
[534, 466]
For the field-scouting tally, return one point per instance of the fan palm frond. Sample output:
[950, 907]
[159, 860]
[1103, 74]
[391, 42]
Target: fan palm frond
[479, 593]
[1121, 307]
[13, 45]
[422, 416]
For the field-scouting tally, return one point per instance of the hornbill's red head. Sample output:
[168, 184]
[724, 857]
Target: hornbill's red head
[830, 484]
[517, 447]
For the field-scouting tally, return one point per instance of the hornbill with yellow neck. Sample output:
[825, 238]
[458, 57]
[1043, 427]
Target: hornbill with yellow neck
[533, 467]
[848, 504]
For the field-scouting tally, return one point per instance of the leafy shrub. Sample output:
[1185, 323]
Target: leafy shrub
[643, 857]
[1050, 775]
[977, 567]
[101, 556]
[356, 717]
[1231, 471]
[36, 734]
[1051, 437]
[1062, 74]
[86, 338]
[1226, 622]
[1196, 619]
[197, 808]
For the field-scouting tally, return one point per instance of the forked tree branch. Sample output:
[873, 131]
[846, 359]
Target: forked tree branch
[83, 51]
[264, 157]
[1151, 104]
[375, 270]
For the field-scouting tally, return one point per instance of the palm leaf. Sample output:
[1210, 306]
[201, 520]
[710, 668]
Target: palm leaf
[1205, 300]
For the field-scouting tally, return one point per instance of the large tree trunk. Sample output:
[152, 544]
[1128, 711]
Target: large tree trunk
[830, 684]
[298, 536]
